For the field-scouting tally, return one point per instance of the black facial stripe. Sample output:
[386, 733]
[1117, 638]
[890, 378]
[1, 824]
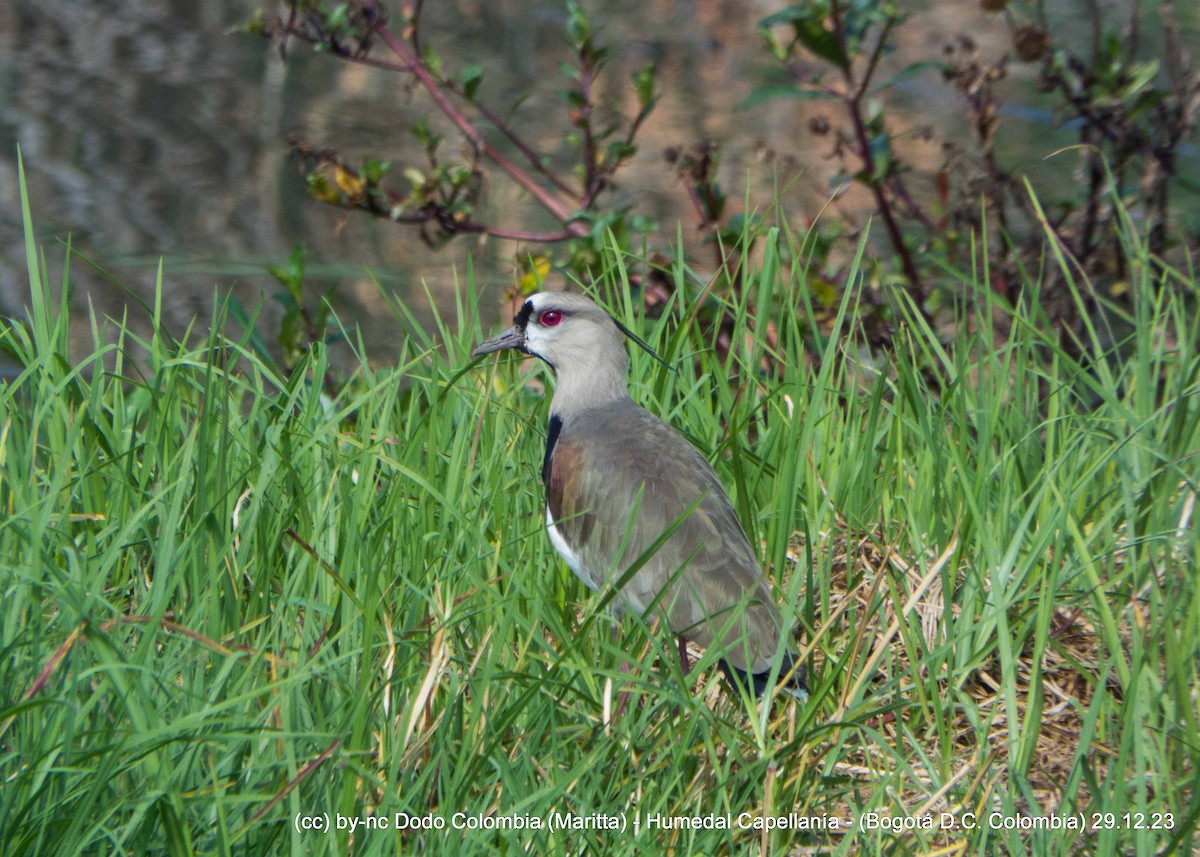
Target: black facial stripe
[521, 319]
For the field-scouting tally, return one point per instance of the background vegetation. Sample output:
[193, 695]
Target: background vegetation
[231, 599]
[1122, 78]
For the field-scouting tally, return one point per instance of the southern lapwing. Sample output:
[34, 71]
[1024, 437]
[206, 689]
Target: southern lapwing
[618, 479]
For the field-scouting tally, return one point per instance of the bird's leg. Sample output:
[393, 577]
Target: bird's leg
[623, 696]
[685, 664]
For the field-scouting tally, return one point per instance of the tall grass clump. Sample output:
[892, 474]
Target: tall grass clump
[239, 615]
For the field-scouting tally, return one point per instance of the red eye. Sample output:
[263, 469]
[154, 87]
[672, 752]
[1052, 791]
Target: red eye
[550, 318]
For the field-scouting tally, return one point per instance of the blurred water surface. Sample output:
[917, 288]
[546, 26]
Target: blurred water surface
[151, 131]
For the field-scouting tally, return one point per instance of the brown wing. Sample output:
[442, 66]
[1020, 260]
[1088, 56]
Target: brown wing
[605, 489]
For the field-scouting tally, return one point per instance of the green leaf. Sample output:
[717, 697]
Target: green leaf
[784, 16]
[458, 175]
[432, 60]
[775, 47]
[910, 71]
[643, 84]
[1144, 102]
[808, 24]
[291, 276]
[812, 34]
[1140, 75]
[429, 141]
[374, 171]
[339, 18]
[470, 78]
[619, 151]
[880, 147]
[763, 94]
[642, 223]
[579, 28]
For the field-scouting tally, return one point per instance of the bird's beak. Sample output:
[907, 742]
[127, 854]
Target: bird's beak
[514, 337]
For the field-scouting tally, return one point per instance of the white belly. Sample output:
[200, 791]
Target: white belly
[571, 558]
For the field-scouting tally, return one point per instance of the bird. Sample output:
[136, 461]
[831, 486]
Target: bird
[618, 479]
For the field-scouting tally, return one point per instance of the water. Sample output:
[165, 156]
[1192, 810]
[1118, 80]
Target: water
[149, 132]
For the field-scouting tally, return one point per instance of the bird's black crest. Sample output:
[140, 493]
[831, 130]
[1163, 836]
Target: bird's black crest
[643, 344]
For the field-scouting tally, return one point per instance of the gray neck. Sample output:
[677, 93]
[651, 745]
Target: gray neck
[587, 384]
[590, 365]
[581, 389]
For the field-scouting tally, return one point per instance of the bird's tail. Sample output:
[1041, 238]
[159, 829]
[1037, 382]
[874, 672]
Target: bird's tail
[793, 677]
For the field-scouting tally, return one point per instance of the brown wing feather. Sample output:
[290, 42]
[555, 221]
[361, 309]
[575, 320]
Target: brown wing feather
[705, 579]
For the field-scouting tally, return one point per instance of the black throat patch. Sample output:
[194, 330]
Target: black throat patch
[552, 432]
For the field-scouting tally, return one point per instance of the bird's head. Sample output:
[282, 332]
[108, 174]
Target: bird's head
[578, 340]
[569, 332]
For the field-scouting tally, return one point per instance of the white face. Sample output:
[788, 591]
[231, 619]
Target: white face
[571, 334]
[544, 326]
[581, 343]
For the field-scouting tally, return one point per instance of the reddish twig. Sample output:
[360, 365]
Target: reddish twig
[546, 199]
[856, 90]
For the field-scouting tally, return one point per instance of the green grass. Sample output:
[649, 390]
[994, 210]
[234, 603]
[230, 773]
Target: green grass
[228, 603]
